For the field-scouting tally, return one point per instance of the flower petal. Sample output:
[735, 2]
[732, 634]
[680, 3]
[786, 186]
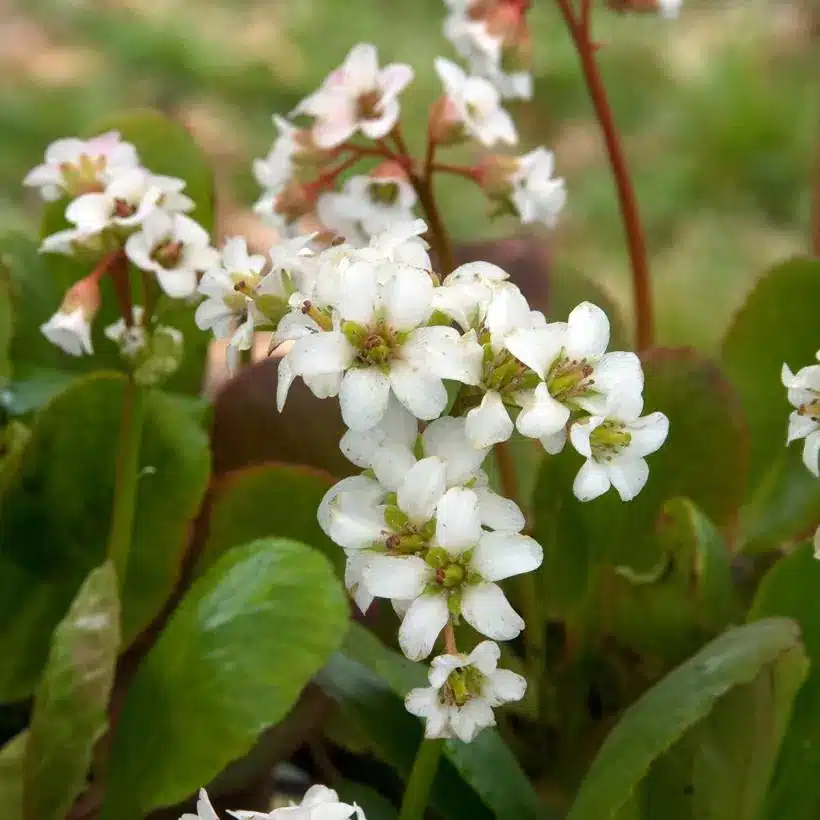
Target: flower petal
[421, 489]
[489, 423]
[504, 686]
[422, 624]
[497, 512]
[320, 354]
[486, 608]
[458, 526]
[447, 438]
[397, 576]
[501, 555]
[541, 415]
[587, 332]
[811, 453]
[422, 394]
[485, 657]
[628, 476]
[648, 434]
[391, 462]
[408, 298]
[363, 397]
[592, 480]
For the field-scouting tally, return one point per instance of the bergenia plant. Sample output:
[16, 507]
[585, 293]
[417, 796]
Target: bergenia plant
[510, 561]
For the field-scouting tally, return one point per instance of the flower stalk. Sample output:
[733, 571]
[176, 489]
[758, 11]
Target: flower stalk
[417, 793]
[579, 29]
[125, 491]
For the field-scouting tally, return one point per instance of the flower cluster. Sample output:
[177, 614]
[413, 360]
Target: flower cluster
[120, 213]
[494, 39]
[355, 115]
[421, 526]
[319, 803]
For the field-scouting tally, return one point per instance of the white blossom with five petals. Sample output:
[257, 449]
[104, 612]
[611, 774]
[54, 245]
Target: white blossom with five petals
[357, 96]
[804, 422]
[463, 691]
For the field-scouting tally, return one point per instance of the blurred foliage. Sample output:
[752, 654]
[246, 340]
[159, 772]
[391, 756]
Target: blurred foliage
[716, 108]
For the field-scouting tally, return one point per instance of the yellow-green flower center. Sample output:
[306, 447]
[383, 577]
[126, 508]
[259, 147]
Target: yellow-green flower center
[608, 439]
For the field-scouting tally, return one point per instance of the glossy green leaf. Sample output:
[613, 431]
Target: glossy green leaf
[775, 326]
[687, 600]
[11, 777]
[231, 662]
[55, 512]
[737, 745]
[680, 701]
[703, 460]
[268, 500]
[790, 589]
[71, 702]
[33, 387]
[487, 765]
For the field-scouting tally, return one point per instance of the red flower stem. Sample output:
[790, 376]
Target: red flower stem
[370, 151]
[329, 177]
[423, 186]
[465, 171]
[641, 280]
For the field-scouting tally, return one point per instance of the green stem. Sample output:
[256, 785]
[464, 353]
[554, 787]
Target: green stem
[125, 491]
[535, 633]
[417, 793]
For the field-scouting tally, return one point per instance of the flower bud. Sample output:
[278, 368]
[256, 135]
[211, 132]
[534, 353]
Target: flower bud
[493, 174]
[444, 124]
[70, 327]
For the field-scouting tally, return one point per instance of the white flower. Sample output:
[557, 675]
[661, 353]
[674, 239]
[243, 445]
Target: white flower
[670, 8]
[614, 448]
[357, 96]
[276, 168]
[577, 372]
[127, 200]
[456, 573]
[71, 331]
[379, 343]
[476, 104]
[389, 450]
[204, 809]
[175, 249]
[319, 803]
[804, 422]
[367, 205]
[131, 339]
[463, 691]
[536, 194]
[232, 288]
[71, 241]
[74, 166]
[470, 31]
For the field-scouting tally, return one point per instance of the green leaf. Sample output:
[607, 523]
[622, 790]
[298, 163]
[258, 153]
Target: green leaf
[702, 460]
[775, 326]
[11, 777]
[680, 701]
[33, 387]
[232, 661]
[6, 327]
[55, 511]
[486, 765]
[71, 702]
[790, 589]
[736, 746]
[268, 500]
[690, 597]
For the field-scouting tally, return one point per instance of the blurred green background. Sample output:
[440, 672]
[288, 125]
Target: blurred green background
[718, 109]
